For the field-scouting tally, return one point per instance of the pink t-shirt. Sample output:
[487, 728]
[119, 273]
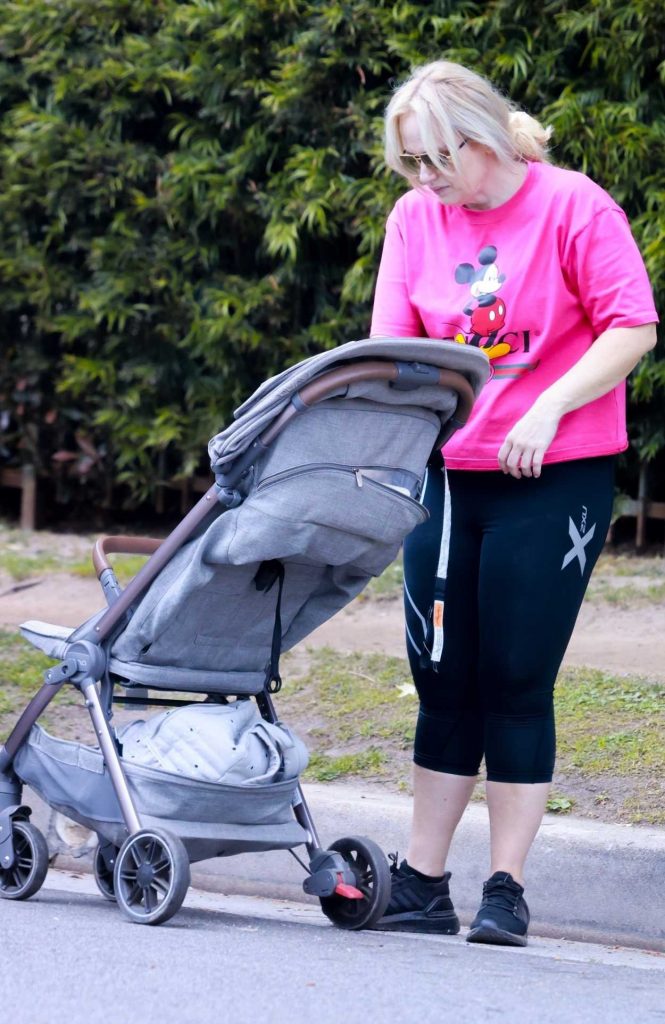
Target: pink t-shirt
[533, 283]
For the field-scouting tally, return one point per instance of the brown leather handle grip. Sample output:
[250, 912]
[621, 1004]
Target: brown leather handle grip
[121, 545]
[371, 369]
[375, 370]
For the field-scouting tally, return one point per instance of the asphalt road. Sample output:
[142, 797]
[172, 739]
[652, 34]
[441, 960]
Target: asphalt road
[67, 955]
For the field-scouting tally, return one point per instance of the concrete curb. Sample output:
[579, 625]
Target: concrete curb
[586, 880]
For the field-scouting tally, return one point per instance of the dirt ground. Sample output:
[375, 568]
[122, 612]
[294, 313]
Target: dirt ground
[619, 638]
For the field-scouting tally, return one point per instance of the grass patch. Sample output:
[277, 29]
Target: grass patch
[387, 586]
[603, 589]
[560, 804]
[21, 675]
[609, 724]
[630, 565]
[21, 666]
[323, 768]
[356, 712]
[25, 566]
[25, 554]
[125, 566]
[611, 745]
[21, 566]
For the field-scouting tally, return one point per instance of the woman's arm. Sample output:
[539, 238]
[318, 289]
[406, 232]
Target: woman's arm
[609, 361]
[394, 315]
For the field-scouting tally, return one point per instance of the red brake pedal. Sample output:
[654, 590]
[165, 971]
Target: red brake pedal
[348, 891]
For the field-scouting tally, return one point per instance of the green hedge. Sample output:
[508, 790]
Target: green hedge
[192, 196]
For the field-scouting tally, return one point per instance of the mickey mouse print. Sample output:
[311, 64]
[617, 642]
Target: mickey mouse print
[486, 309]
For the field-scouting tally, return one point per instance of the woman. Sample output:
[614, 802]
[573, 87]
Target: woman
[493, 246]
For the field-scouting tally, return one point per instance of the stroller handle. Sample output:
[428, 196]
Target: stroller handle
[121, 545]
[372, 369]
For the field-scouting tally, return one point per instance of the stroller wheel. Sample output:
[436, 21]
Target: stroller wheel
[151, 876]
[27, 874]
[370, 867]
[103, 871]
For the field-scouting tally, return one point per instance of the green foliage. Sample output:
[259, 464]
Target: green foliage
[192, 196]
[559, 805]
[20, 668]
[325, 769]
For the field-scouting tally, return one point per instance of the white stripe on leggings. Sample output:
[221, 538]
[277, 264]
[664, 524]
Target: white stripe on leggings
[413, 643]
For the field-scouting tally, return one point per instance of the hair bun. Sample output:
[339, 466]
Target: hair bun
[529, 136]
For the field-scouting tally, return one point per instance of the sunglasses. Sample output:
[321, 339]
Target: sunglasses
[412, 162]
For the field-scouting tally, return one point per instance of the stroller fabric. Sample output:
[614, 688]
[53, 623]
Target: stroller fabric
[274, 394]
[309, 507]
[224, 743]
[326, 501]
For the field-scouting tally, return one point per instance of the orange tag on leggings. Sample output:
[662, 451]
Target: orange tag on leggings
[437, 644]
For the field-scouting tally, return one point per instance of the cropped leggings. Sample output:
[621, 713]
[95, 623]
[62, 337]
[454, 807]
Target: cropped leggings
[519, 558]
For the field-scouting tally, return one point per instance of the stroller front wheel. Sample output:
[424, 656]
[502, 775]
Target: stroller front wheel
[372, 877]
[26, 876]
[151, 876]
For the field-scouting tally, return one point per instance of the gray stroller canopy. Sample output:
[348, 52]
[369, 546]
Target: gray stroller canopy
[274, 394]
[321, 509]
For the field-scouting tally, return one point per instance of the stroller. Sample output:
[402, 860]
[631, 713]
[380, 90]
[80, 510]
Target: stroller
[316, 485]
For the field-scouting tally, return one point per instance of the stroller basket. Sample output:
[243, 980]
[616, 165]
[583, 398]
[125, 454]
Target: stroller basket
[316, 485]
[74, 779]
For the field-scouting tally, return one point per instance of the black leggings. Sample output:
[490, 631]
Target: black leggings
[519, 559]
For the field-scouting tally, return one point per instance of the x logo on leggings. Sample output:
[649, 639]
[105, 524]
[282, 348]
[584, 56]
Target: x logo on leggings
[579, 544]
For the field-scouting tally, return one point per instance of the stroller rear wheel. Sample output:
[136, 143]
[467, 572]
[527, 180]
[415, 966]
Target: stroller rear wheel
[151, 876]
[372, 874]
[103, 869]
[26, 876]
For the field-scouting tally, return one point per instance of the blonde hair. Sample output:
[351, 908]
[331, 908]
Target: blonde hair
[449, 101]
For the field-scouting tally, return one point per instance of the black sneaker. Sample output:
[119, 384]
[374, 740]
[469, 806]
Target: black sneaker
[416, 905]
[503, 918]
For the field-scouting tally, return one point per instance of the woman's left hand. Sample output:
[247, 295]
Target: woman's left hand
[609, 361]
[523, 451]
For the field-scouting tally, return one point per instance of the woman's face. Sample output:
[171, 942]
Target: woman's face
[474, 186]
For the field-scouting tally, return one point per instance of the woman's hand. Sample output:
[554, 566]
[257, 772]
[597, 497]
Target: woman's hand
[609, 361]
[523, 451]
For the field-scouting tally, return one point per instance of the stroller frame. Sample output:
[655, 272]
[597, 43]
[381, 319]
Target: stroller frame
[149, 875]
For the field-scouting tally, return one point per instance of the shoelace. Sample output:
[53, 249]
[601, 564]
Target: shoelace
[397, 880]
[501, 894]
